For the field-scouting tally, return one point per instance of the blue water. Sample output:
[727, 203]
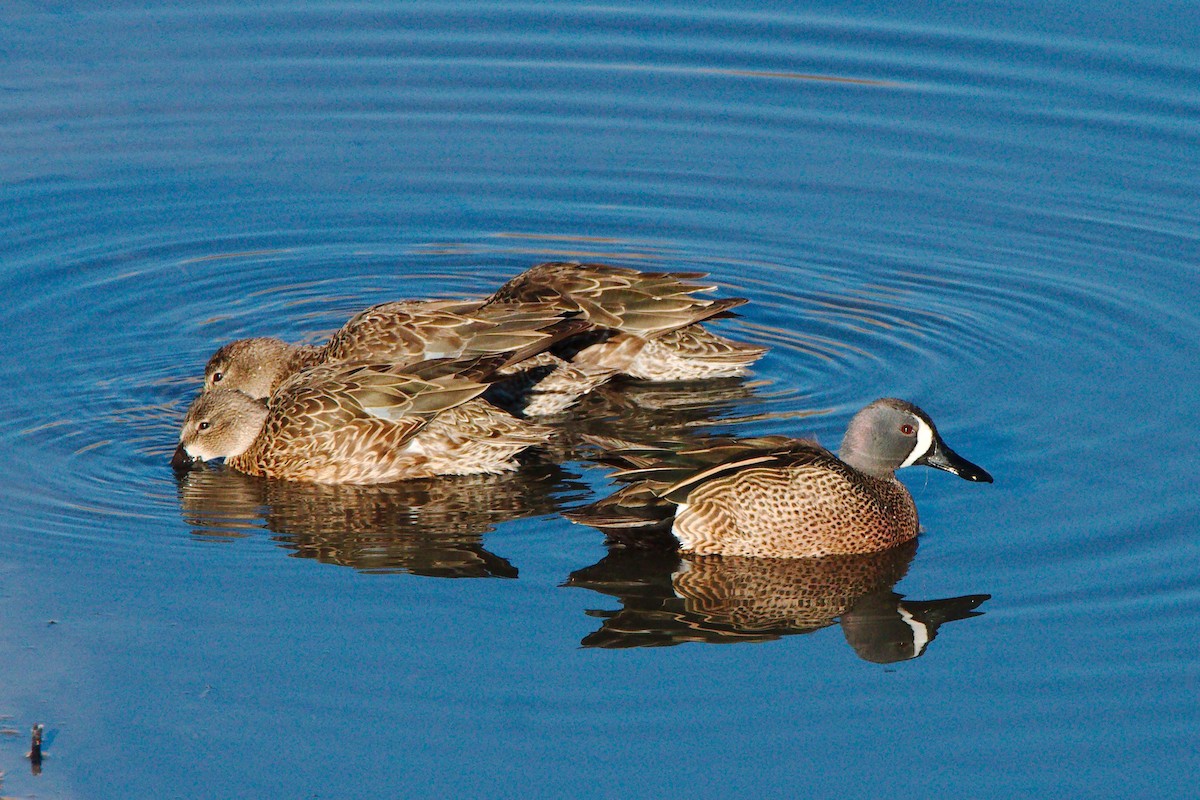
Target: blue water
[988, 209]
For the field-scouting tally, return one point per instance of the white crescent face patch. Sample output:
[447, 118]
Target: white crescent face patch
[924, 442]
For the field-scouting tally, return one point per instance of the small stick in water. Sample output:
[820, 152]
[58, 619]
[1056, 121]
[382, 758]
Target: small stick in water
[35, 749]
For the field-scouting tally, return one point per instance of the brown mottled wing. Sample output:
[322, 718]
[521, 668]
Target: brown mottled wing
[697, 342]
[401, 332]
[645, 304]
[675, 472]
[799, 454]
[659, 477]
[410, 331]
[634, 515]
[673, 462]
[395, 393]
[520, 330]
[327, 398]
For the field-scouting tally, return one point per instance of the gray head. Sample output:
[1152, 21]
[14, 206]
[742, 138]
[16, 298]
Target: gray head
[220, 424]
[890, 434]
[252, 366]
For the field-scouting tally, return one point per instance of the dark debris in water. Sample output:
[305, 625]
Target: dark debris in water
[35, 748]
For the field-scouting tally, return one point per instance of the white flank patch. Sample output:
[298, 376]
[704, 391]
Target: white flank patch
[413, 448]
[920, 631]
[679, 509]
[924, 442]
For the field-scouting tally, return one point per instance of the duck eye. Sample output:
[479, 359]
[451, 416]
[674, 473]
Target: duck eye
[203, 426]
[907, 430]
[217, 376]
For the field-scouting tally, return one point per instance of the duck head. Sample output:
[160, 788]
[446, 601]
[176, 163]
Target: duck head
[890, 434]
[252, 366]
[220, 424]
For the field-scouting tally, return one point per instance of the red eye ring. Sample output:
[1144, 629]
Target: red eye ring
[907, 430]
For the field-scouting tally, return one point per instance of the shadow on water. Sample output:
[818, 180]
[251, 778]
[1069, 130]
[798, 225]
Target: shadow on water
[431, 527]
[669, 599]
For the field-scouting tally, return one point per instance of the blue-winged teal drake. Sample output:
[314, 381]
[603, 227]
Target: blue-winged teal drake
[779, 497]
[610, 320]
[361, 424]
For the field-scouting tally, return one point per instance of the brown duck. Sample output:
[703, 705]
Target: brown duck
[613, 320]
[647, 324]
[361, 423]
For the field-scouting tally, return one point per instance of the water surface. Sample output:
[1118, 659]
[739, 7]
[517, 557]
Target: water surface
[989, 210]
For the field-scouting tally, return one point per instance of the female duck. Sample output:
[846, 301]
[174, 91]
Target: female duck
[360, 424]
[610, 320]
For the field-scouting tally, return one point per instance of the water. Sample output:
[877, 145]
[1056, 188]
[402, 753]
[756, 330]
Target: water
[987, 209]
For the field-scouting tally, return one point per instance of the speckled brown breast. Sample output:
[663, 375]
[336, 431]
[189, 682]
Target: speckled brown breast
[816, 509]
[360, 451]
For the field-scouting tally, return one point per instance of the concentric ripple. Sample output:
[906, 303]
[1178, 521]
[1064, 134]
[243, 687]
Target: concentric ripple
[988, 209]
[882, 192]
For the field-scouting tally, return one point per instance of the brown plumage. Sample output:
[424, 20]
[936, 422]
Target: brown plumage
[608, 320]
[361, 423]
[778, 497]
[400, 333]
[649, 320]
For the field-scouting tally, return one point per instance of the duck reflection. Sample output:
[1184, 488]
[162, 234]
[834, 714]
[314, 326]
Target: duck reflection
[641, 411]
[430, 527]
[669, 599]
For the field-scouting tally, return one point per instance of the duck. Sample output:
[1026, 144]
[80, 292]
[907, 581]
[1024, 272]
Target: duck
[401, 333]
[646, 324]
[775, 496]
[361, 424]
[610, 321]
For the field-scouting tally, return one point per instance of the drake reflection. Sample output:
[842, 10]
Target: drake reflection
[431, 527]
[669, 599]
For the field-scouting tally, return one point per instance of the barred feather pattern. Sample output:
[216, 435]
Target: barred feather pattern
[361, 424]
[401, 333]
[768, 496]
[692, 353]
[644, 304]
